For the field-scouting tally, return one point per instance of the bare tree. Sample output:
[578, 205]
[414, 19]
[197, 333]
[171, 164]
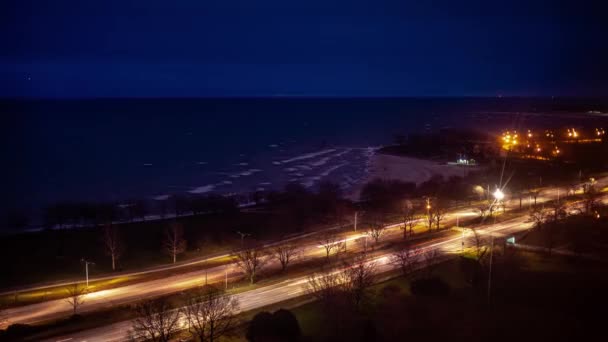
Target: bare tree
[482, 210]
[538, 216]
[438, 216]
[558, 211]
[549, 236]
[492, 207]
[285, 254]
[250, 261]
[155, 321]
[210, 313]
[113, 244]
[324, 286]
[376, 231]
[590, 200]
[480, 248]
[174, 242]
[430, 260]
[405, 259]
[75, 296]
[357, 278]
[409, 221]
[429, 218]
[331, 242]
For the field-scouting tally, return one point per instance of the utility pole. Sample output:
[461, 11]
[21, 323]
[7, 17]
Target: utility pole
[356, 214]
[226, 277]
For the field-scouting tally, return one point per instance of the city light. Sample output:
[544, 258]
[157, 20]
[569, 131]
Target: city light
[499, 195]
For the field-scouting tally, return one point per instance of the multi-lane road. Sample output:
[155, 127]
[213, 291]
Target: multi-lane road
[296, 286]
[278, 292]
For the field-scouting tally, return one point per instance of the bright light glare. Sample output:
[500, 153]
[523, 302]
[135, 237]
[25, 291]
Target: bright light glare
[499, 195]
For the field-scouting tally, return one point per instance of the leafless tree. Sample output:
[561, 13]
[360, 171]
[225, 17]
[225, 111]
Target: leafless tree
[409, 221]
[480, 248]
[285, 254]
[482, 210]
[174, 242]
[549, 236]
[590, 200]
[492, 207]
[429, 219]
[357, 277]
[405, 260]
[324, 286]
[538, 216]
[376, 231]
[558, 211]
[438, 216]
[155, 321]
[250, 261]
[210, 313]
[430, 260]
[331, 242]
[113, 243]
[75, 296]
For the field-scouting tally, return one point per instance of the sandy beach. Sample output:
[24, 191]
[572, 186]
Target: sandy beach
[405, 169]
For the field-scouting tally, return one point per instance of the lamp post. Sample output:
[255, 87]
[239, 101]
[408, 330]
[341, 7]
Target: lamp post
[428, 211]
[242, 235]
[462, 239]
[226, 277]
[86, 269]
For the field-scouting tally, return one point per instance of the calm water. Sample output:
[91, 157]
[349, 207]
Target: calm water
[114, 150]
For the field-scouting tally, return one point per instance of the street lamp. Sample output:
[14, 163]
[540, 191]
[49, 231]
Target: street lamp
[86, 268]
[242, 235]
[499, 195]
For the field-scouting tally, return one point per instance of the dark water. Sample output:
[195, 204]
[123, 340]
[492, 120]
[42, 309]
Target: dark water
[114, 150]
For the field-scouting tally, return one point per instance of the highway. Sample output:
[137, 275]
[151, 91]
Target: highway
[296, 287]
[259, 297]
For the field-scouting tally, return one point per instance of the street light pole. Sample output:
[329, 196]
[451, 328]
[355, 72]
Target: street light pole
[428, 212]
[86, 269]
[243, 235]
[462, 240]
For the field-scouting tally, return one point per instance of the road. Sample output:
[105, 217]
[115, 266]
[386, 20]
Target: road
[290, 288]
[296, 287]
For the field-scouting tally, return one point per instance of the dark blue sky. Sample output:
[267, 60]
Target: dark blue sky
[131, 48]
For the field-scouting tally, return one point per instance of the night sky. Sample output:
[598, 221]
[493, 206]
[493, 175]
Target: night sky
[190, 48]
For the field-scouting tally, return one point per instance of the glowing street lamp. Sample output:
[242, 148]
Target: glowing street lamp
[499, 195]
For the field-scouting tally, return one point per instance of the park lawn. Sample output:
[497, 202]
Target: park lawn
[560, 274]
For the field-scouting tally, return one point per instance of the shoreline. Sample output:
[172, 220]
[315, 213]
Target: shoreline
[406, 169]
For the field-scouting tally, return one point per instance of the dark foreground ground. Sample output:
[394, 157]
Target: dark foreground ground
[534, 298]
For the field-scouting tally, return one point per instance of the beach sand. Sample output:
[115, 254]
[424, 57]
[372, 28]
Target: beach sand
[406, 169]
